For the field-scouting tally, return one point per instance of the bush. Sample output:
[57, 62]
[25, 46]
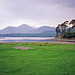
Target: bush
[69, 34]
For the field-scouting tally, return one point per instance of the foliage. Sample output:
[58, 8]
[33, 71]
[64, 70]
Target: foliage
[43, 59]
[69, 34]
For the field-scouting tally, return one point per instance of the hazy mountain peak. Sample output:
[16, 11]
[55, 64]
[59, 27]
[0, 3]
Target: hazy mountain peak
[24, 28]
[23, 25]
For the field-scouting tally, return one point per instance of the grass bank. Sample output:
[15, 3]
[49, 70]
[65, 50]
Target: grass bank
[42, 59]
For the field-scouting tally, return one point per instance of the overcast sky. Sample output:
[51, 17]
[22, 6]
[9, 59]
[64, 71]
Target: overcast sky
[35, 12]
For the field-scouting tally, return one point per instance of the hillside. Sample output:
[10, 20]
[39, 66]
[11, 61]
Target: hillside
[24, 28]
[42, 29]
[20, 29]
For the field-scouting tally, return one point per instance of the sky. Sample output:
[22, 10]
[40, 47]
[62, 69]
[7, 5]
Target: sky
[36, 12]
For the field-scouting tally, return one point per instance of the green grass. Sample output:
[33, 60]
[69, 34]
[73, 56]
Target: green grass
[44, 59]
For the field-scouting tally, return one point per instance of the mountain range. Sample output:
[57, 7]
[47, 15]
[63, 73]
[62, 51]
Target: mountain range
[24, 28]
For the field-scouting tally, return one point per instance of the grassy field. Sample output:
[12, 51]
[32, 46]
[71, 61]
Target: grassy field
[43, 59]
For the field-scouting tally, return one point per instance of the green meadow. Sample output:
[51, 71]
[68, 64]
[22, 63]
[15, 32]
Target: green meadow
[42, 59]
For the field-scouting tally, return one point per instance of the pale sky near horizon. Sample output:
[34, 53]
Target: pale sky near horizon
[36, 12]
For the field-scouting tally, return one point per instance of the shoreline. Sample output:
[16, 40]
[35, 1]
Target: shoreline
[53, 40]
[63, 40]
[60, 42]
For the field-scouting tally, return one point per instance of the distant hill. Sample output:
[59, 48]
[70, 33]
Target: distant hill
[24, 28]
[42, 29]
[8, 30]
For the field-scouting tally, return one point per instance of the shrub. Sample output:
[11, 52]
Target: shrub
[69, 34]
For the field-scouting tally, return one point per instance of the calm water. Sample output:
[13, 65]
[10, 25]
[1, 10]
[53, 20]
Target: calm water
[25, 39]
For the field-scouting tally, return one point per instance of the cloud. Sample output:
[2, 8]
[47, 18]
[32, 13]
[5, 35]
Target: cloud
[35, 12]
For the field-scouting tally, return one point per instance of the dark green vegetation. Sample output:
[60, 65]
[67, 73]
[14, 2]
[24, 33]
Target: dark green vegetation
[69, 34]
[44, 59]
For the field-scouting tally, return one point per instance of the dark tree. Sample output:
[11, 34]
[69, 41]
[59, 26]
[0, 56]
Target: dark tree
[73, 23]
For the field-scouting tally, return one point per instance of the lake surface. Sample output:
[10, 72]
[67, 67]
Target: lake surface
[25, 39]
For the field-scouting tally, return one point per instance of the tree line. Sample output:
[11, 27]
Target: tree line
[66, 33]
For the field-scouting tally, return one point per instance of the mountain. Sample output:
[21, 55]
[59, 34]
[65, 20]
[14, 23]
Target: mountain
[43, 29]
[8, 30]
[24, 28]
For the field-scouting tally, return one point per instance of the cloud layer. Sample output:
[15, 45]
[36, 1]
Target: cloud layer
[35, 12]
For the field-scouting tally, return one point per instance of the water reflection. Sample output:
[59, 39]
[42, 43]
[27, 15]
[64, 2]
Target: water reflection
[26, 39]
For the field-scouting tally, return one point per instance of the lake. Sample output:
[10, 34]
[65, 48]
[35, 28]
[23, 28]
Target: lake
[25, 39]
